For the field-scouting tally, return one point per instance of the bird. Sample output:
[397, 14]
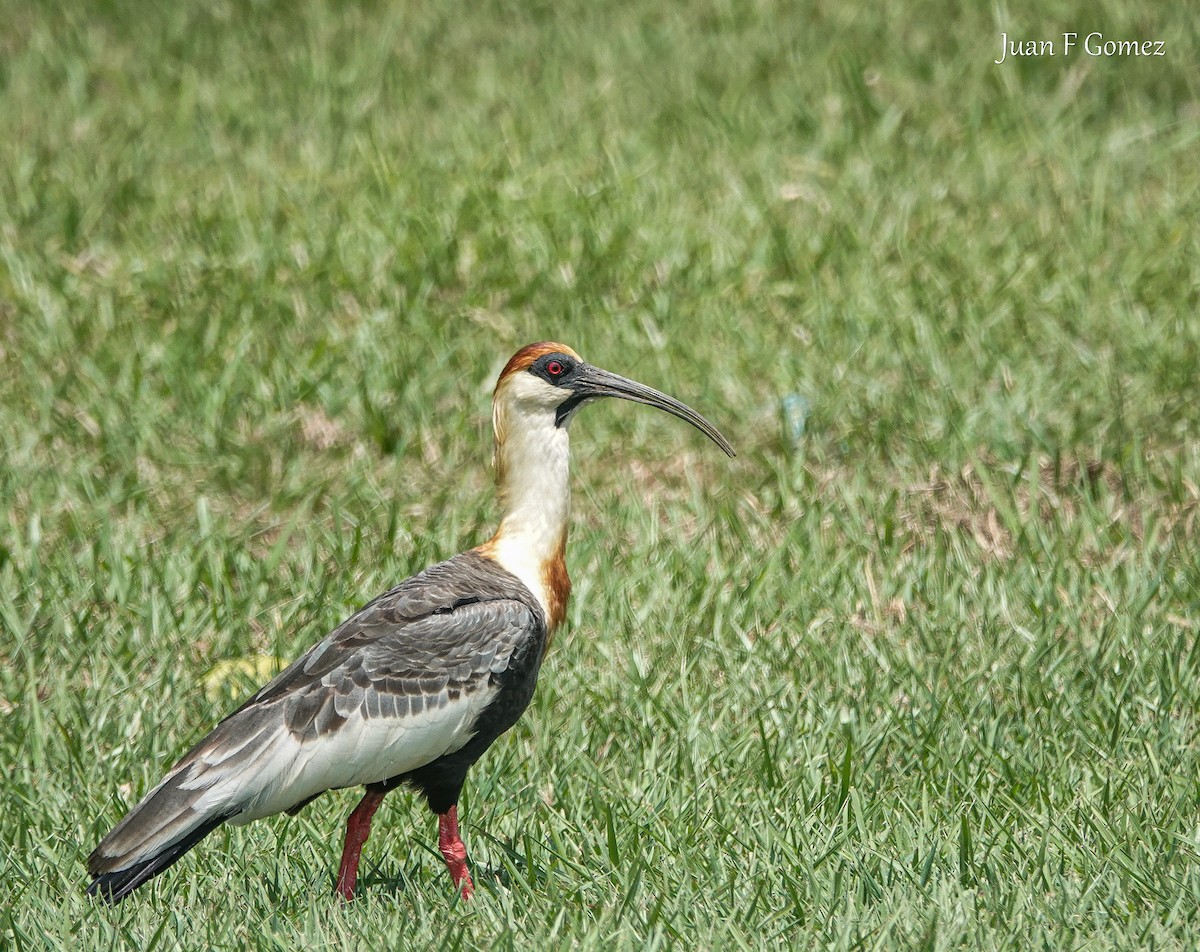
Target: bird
[413, 688]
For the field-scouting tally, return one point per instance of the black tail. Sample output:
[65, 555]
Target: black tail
[115, 886]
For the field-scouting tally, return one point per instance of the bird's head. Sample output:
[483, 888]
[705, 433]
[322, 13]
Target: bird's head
[544, 384]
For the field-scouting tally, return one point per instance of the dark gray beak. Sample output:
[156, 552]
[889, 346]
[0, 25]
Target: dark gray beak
[592, 383]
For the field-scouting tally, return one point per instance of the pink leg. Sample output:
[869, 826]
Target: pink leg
[358, 828]
[454, 852]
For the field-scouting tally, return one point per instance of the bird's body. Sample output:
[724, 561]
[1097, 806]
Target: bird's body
[415, 686]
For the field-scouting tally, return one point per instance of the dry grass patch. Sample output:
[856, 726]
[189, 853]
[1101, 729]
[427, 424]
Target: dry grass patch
[989, 502]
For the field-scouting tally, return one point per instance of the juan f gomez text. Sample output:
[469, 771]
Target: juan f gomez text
[1093, 44]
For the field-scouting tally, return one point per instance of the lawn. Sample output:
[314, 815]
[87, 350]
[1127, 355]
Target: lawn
[919, 669]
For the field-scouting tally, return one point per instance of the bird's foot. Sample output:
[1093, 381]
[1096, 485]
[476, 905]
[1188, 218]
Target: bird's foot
[462, 880]
[358, 828]
[345, 887]
[454, 851]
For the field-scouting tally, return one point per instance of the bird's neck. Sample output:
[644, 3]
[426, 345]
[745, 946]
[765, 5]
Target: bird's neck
[535, 496]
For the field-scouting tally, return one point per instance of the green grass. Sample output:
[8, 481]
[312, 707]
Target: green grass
[920, 673]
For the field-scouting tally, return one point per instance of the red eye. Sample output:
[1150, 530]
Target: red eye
[554, 368]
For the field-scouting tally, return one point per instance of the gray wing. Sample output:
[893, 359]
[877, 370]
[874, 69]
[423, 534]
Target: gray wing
[378, 665]
[396, 686]
[420, 635]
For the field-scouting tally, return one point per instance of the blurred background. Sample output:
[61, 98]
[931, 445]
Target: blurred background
[919, 666]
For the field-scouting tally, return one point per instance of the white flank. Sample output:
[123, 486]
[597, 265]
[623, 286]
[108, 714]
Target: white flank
[361, 751]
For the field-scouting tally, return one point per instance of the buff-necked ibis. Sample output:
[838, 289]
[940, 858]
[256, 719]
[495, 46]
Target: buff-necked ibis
[414, 687]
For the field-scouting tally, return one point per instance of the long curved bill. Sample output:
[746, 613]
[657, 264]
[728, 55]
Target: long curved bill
[592, 383]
